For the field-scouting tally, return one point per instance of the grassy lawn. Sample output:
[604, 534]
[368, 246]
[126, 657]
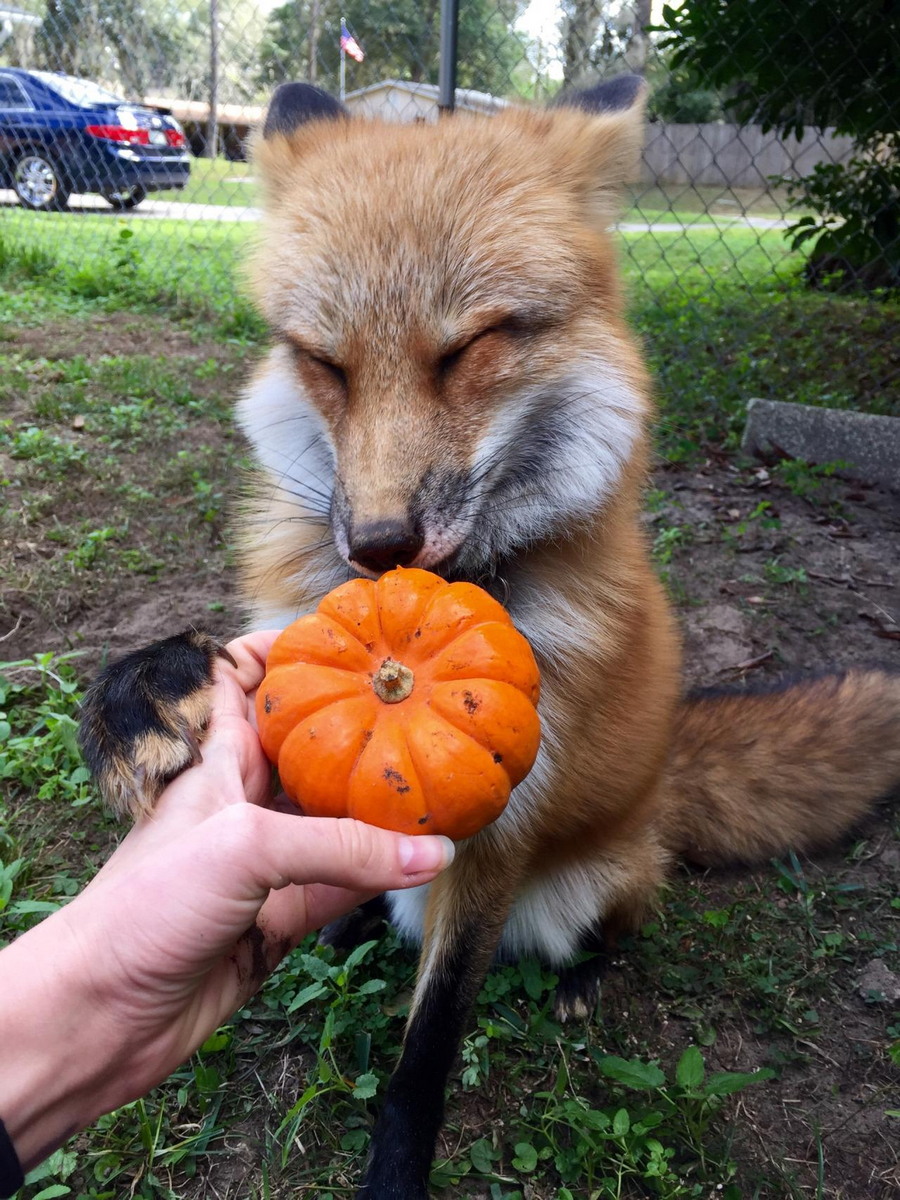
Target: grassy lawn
[216, 182]
[721, 310]
[121, 351]
[689, 202]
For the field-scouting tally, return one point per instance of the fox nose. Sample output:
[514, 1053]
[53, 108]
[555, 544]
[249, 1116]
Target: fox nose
[385, 544]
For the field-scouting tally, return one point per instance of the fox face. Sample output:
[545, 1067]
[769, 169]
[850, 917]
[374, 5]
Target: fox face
[451, 382]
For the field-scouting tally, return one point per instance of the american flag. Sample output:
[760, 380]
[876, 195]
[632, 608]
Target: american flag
[349, 44]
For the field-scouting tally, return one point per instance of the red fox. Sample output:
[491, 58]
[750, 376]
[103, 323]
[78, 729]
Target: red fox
[452, 386]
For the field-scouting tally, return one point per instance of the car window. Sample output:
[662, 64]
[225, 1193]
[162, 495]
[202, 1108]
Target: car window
[81, 92]
[12, 95]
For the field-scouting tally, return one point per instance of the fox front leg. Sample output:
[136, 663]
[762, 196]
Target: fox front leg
[144, 715]
[467, 908]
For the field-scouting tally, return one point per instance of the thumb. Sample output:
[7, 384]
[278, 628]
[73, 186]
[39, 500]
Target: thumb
[270, 850]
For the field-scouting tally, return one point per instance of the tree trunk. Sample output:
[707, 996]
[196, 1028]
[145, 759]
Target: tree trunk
[638, 51]
[315, 18]
[212, 129]
[580, 30]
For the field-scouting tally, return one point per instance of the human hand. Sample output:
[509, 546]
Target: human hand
[193, 910]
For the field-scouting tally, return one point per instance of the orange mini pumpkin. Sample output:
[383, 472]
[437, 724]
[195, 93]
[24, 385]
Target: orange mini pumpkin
[407, 702]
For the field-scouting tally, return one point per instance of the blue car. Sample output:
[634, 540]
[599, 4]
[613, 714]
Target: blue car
[59, 134]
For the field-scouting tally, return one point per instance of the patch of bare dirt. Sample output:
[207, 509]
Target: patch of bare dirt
[114, 333]
[767, 580]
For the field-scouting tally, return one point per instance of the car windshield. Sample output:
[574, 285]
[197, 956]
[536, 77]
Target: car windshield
[81, 92]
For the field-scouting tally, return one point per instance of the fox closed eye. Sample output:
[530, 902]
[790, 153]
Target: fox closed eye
[318, 361]
[506, 329]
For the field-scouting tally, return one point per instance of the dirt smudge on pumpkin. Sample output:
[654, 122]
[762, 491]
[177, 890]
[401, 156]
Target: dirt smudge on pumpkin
[396, 780]
[471, 703]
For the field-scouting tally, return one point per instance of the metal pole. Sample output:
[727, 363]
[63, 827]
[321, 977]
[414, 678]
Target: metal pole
[447, 66]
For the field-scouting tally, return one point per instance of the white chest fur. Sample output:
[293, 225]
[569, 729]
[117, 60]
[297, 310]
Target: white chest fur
[548, 918]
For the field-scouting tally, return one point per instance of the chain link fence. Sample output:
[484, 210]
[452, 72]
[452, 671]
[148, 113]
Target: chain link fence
[761, 241]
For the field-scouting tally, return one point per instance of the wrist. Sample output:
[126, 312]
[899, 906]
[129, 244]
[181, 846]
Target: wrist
[63, 1057]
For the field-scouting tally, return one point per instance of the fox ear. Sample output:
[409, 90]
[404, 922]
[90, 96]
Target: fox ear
[601, 146]
[610, 95]
[294, 104]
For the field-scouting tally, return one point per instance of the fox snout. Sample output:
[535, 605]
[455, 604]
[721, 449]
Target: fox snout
[423, 527]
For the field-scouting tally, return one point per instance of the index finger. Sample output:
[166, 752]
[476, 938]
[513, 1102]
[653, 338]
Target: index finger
[249, 653]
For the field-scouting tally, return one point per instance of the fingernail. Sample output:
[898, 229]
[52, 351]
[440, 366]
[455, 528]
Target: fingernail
[431, 853]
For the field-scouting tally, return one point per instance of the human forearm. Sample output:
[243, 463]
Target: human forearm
[63, 1058]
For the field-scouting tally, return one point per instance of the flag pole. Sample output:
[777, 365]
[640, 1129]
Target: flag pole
[343, 88]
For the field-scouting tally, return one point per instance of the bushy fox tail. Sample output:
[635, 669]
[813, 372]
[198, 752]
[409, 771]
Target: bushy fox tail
[794, 766]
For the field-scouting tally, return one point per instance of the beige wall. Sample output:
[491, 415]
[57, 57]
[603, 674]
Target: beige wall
[733, 155]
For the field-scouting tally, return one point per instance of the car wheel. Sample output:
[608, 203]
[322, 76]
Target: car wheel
[126, 198]
[37, 182]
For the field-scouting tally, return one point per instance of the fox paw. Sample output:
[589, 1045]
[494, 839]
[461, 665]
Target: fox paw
[144, 715]
[578, 990]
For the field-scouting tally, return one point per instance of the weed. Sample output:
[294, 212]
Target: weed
[209, 499]
[53, 457]
[776, 571]
[806, 479]
[38, 748]
[91, 551]
[667, 540]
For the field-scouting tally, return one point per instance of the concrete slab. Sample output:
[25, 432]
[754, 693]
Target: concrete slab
[868, 444]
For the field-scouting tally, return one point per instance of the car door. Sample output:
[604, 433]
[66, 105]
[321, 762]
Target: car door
[18, 119]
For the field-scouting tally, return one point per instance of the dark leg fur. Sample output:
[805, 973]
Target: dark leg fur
[578, 990]
[361, 925]
[467, 909]
[404, 1139]
[143, 716]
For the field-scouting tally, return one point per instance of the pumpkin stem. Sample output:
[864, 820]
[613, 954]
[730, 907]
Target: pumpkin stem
[392, 681]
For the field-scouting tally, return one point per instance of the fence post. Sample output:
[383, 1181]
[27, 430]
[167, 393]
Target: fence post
[447, 65]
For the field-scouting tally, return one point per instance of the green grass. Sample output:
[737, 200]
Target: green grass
[230, 184]
[190, 270]
[724, 317]
[215, 182]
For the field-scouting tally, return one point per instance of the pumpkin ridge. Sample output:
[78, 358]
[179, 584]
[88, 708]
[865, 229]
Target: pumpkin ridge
[323, 708]
[453, 634]
[509, 654]
[346, 623]
[461, 633]
[460, 729]
[318, 651]
[472, 794]
[375, 769]
[299, 748]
